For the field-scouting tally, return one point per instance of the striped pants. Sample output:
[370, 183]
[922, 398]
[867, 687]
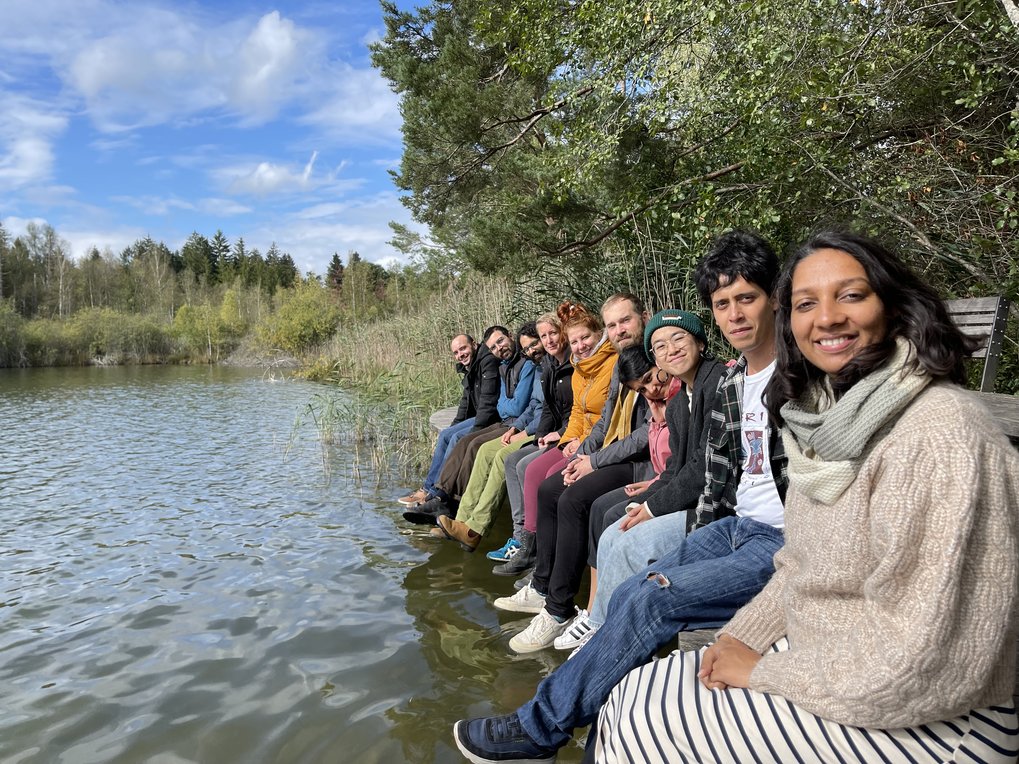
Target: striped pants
[662, 713]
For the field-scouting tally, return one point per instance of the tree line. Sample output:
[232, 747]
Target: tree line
[196, 304]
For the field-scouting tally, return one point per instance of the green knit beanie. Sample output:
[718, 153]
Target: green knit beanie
[681, 320]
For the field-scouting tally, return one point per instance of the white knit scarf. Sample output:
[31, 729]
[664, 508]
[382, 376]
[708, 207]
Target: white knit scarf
[825, 442]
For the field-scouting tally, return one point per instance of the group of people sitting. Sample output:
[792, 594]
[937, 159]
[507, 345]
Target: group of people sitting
[832, 501]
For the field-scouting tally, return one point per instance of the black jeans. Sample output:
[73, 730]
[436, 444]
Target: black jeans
[562, 532]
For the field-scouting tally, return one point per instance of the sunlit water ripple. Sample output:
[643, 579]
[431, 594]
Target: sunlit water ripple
[179, 585]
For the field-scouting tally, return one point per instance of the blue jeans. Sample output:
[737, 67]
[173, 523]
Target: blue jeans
[621, 554]
[443, 446]
[716, 570]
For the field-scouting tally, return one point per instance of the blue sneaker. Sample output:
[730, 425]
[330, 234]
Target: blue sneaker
[505, 554]
[498, 738]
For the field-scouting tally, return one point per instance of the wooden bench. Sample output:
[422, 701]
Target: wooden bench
[985, 318]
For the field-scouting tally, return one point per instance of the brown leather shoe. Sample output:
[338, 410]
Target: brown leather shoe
[413, 499]
[438, 533]
[459, 532]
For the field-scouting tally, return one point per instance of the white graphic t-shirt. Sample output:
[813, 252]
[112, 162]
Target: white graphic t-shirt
[756, 495]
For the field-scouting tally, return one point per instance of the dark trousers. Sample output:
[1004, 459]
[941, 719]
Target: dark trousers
[456, 471]
[562, 532]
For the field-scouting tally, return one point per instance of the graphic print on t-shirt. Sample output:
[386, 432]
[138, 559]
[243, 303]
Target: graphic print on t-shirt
[755, 456]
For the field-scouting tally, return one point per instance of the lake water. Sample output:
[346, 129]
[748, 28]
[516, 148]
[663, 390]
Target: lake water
[188, 576]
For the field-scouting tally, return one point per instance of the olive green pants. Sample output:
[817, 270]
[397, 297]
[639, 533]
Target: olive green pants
[486, 489]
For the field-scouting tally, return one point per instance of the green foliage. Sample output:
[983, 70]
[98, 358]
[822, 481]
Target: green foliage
[305, 316]
[542, 129]
[12, 341]
[203, 332]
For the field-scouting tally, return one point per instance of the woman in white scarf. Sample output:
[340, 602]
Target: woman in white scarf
[888, 631]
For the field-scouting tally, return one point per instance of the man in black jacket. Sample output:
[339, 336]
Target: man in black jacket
[478, 406]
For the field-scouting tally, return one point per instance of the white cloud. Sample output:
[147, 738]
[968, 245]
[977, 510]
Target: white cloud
[266, 66]
[155, 205]
[27, 130]
[311, 235]
[265, 178]
[357, 105]
[223, 207]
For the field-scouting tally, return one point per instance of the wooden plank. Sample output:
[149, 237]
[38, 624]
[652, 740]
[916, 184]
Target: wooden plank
[1005, 411]
[972, 305]
[442, 418]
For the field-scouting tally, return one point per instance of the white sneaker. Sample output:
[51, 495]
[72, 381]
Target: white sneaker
[527, 600]
[580, 630]
[539, 634]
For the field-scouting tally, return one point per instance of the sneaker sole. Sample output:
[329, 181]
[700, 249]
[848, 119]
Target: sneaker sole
[515, 572]
[515, 608]
[473, 757]
[528, 648]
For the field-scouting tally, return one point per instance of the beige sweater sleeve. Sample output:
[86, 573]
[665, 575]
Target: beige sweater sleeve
[926, 632]
[761, 622]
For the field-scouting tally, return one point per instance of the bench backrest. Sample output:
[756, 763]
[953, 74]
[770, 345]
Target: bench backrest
[984, 318]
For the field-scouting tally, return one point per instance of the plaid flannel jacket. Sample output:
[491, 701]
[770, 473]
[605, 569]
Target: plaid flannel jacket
[724, 457]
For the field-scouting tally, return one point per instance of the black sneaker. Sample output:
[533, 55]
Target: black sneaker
[523, 560]
[427, 513]
[498, 738]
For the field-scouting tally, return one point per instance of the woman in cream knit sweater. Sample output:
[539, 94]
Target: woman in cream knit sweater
[888, 631]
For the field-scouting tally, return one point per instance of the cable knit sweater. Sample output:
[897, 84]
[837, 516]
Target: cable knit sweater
[899, 599]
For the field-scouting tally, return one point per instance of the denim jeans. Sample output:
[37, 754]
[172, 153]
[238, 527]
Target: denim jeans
[443, 447]
[716, 570]
[623, 553]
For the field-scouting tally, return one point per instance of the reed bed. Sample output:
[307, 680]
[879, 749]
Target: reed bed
[394, 372]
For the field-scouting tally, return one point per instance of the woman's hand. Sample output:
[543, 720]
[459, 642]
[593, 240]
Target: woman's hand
[727, 663]
[518, 436]
[634, 488]
[635, 515]
[571, 448]
[547, 440]
[507, 437]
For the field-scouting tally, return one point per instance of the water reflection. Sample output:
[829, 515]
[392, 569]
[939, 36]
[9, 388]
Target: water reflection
[175, 590]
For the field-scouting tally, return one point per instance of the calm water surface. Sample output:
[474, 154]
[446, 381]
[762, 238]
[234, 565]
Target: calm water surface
[187, 576]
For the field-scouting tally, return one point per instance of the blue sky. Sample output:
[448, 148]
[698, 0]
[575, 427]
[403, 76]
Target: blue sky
[120, 120]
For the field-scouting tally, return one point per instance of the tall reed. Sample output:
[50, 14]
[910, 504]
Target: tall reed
[394, 372]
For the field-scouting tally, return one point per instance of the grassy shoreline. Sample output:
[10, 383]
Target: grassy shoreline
[392, 373]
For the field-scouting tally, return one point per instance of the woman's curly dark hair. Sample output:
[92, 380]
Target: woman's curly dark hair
[912, 310]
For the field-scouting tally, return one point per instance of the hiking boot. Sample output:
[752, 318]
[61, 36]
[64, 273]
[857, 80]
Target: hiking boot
[580, 630]
[459, 532]
[540, 633]
[426, 514]
[523, 560]
[527, 600]
[413, 499]
[523, 581]
[498, 738]
[505, 552]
